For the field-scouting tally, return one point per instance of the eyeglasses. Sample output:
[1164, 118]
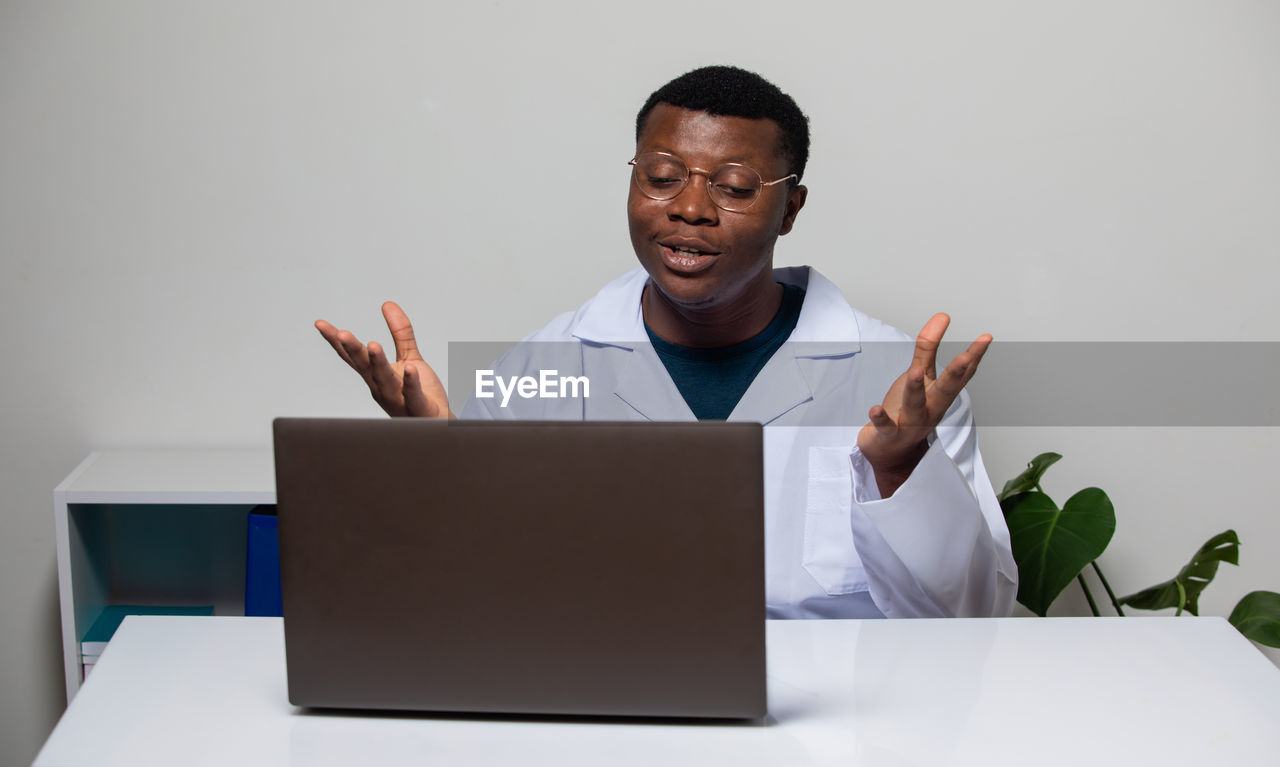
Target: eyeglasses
[732, 187]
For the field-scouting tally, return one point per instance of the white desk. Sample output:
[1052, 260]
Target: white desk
[1019, 691]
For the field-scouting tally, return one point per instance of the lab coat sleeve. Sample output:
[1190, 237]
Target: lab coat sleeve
[938, 547]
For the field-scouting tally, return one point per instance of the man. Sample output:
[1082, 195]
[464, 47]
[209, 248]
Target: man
[877, 502]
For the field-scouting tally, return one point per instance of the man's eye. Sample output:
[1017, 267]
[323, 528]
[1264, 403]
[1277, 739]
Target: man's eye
[663, 181]
[737, 192]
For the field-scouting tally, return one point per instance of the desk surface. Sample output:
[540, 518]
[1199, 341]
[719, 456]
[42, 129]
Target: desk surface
[1017, 691]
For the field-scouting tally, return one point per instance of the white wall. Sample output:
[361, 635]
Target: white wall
[185, 186]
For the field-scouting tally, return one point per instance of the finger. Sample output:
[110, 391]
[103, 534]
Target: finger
[401, 332]
[963, 367]
[881, 421]
[385, 383]
[978, 349]
[958, 374]
[952, 380]
[356, 354]
[415, 400]
[914, 399]
[326, 329]
[927, 342]
[330, 334]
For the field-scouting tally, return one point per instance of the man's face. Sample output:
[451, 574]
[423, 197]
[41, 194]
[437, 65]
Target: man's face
[700, 257]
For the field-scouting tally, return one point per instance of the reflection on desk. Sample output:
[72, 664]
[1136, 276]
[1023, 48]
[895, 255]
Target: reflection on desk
[1015, 691]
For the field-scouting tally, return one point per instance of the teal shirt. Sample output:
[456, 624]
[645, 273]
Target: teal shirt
[712, 381]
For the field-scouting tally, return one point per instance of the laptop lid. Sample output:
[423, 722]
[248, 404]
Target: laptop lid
[523, 567]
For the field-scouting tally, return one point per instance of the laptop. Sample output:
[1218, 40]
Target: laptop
[574, 568]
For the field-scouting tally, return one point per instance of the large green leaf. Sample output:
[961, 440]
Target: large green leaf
[1257, 616]
[1052, 545]
[1029, 479]
[1183, 590]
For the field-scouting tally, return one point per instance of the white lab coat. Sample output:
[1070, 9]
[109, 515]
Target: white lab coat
[833, 548]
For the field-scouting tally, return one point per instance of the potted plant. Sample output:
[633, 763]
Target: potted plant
[1053, 545]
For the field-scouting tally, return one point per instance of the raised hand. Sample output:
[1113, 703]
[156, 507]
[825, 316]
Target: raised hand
[894, 440]
[406, 387]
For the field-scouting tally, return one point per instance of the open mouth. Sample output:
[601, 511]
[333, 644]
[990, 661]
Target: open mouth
[687, 260]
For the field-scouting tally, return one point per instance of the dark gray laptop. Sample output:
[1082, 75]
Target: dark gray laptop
[609, 569]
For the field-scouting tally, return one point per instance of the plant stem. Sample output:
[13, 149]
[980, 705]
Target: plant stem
[1089, 596]
[1182, 596]
[1114, 602]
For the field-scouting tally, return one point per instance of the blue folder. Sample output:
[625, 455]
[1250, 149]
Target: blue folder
[262, 565]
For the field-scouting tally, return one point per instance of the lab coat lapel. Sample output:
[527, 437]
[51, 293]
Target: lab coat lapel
[615, 319]
[825, 329]
[778, 387]
[645, 385]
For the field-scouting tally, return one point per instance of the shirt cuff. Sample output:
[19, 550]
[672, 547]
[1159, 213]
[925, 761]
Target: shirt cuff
[865, 487]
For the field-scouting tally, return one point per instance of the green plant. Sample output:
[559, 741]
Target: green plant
[1052, 546]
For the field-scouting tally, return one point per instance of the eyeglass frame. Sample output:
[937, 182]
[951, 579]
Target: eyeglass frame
[707, 175]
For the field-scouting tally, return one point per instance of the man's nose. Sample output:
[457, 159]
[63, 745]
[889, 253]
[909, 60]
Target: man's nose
[693, 205]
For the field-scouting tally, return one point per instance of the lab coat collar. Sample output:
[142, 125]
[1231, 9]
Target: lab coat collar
[827, 328]
[614, 317]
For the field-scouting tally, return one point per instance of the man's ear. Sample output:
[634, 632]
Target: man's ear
[796, 196]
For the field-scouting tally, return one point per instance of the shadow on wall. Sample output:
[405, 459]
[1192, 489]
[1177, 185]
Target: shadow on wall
[50, 625]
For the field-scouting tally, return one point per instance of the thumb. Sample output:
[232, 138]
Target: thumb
[401, 332]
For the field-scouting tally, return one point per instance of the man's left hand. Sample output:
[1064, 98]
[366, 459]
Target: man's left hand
[896, 437]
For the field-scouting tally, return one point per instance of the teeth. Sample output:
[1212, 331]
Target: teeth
[687, 258]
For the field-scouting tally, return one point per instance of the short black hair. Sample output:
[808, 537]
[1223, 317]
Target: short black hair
[734, 92]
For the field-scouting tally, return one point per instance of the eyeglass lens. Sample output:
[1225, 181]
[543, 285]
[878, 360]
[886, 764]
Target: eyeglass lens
[662, 177]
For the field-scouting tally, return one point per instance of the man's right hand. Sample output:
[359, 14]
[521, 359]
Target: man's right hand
[406, 387]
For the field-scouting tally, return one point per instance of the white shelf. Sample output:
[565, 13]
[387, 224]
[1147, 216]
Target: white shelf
[154, 527]
[173, 476]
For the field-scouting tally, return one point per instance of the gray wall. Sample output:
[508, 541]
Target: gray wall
[185, 186]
